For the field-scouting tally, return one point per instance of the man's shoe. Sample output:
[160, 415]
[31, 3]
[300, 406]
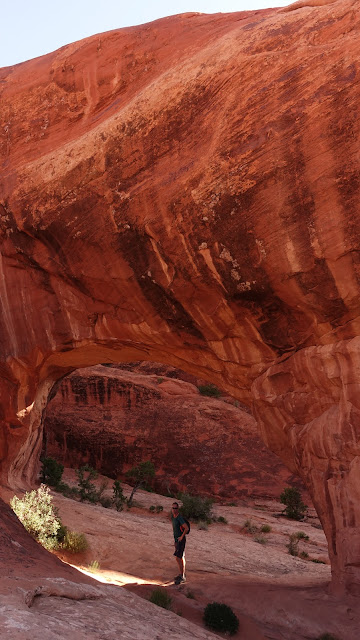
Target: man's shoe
[180, 580]
[177, 577]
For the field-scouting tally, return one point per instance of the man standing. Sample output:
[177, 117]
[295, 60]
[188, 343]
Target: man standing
[180, 529]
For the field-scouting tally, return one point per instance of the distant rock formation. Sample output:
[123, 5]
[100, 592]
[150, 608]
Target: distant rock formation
[188, 192]
[114, 419]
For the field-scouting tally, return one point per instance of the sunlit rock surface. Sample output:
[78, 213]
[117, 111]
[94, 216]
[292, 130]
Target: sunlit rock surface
[187, 192]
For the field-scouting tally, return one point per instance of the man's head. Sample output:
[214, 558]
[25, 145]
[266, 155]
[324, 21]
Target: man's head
[175, 509]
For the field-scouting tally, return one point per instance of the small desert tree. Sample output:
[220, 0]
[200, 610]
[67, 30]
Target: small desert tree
[36, 512]
[87, 489]
[140, 476]
[295, 509]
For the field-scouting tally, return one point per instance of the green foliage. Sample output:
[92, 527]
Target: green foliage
[36, 512]
[250, 527]
[106, 502]
[222, 520]
[66, 490]
[94, 566]
[159, 508]
[220, 617]
[87, 489]
[317, 561]
[119, 499]
[152, 508]
[209, 390]
[161, 598]
[295, 509]
[265, 528]
[196, 507]
[140, 476]
[302, 535]
[74, 542]
[260, 539]
[327, 636]
[304, 555]
[294, 540]
[51, 471]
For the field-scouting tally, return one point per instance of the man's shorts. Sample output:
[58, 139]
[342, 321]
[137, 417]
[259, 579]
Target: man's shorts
[180, 548]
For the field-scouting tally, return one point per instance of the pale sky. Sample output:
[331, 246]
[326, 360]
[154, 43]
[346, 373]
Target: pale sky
[31, 28]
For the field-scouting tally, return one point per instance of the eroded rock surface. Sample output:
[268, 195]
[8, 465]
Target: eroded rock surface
[113, 419]
[187, 192]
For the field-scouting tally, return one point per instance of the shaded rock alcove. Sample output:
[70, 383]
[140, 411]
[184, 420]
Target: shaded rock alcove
[187, 192]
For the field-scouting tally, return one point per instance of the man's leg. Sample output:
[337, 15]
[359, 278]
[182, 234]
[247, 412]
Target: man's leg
[181, 565]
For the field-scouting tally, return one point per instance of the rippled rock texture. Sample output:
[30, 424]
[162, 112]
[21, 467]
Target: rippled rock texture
[187, 192]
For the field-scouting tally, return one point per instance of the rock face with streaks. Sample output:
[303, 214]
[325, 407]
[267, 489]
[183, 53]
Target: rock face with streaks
[113, 419]
[188, 192]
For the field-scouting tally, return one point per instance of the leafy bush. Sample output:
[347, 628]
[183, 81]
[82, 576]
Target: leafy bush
[87, 489]
[317, 561]
[159, 508]
[209, 390]
[161, 598]
[105, 502]
[304, 555]
[222, 520]
[66, 490]
[265, 528]
[94, 566]
[74, 542]
[140, 476]
[260, 539]
[250, 527]
[152, 508]
[51, 471]
[220, 617]
[36, 512]
[294, 539]
[295, 509]
[302, 536]
[118, 496]
[196, 507]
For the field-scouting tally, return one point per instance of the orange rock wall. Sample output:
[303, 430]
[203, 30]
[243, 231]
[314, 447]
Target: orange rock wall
[114, 419]
[187, 192]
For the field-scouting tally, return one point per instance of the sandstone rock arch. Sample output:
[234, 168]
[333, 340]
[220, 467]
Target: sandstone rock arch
[187, 192]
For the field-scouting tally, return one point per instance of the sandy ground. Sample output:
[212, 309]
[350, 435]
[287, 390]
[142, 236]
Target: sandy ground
[275, 595]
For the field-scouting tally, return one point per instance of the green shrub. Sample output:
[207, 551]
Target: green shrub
[87, 489]
[265, 528]
[304, 555]
[140, 476]
[196, 507]
[161, 598]
[119, 499]
[51, 471]
[222, 520]
[190, 594]
[317, 561]
[106, 502]
[295, 509]
[220, 617]
[66, 490]
[159, 508]
[37, 513]
[152, 508]
[94, 566]
[302, 536]
[260, 539]
[327, 636]
[250, 527]
[74, 542]
[209, 390]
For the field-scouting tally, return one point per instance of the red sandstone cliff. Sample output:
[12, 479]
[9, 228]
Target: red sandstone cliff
[188, 192]
[114, 419]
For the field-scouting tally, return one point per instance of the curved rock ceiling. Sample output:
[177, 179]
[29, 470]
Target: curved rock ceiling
[187, 191]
